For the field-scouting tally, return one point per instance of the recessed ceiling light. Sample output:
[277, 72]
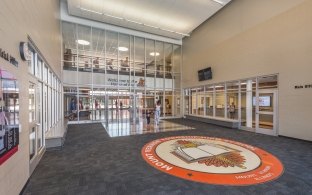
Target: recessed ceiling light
[154, 54]
[122, 48]
[83, 42]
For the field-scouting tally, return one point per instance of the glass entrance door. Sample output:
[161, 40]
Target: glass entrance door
[266, 111]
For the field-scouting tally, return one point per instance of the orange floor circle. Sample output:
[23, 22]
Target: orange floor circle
[212, 160]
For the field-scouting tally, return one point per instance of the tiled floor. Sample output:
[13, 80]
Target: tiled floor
[123, 127]
[92, 162]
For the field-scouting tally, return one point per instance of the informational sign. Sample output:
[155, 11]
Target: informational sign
[9, 115]
[8, 57]
[264, 101]
[137, 81]
[306, 86]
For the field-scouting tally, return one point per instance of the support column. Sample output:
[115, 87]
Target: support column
[249, 104]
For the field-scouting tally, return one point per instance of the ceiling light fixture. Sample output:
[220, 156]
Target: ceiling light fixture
[83, 42]
[154, 54]
[132, 21]
[220, 2]
[122, 48]
[88, 10]
[116, 17]
[151, 26]
[136, 22]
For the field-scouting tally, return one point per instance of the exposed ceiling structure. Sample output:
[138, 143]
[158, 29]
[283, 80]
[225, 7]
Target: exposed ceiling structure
[169, 18]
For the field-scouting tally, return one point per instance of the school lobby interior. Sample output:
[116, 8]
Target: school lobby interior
[155, 97]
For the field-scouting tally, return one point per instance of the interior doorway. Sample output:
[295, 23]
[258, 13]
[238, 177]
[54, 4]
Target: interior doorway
[266, 111]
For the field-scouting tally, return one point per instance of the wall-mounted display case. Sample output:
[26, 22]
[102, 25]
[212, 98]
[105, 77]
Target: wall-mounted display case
[9, 115]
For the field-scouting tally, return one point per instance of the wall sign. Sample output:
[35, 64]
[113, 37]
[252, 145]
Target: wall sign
[6, 56]
[303, 86]
[24, 51]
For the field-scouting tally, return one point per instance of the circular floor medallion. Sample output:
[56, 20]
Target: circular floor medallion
[212, 160]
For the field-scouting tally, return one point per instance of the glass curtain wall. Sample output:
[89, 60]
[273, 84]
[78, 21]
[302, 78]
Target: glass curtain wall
[220, 100]
[209, 100]
[45, 99]
[176, 79]
[232, 89]
[133, 71]
[232, 100]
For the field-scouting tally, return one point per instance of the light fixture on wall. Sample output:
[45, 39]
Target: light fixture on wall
[154, 54]
[82, 42]
[122, 48]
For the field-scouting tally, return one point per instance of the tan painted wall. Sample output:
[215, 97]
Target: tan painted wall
[252, 38]
[39, 20]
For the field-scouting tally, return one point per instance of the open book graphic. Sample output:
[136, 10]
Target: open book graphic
[192, 154]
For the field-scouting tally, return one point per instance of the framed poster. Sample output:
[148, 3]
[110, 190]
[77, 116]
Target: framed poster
[9, 115]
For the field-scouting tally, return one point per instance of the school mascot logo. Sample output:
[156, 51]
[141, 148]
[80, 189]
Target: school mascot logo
[212, 160]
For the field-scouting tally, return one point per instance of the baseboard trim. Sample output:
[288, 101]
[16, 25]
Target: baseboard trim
[308, 141]
[24, 188]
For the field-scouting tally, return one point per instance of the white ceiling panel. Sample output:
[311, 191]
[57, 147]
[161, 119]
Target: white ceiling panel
[168, 18]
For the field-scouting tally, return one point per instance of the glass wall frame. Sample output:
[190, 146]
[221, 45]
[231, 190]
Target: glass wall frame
[134, 64]
[45, 97]
[238, 94]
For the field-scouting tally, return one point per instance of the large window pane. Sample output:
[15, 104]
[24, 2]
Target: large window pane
[193, 102]
[176, 65]
[209, 100]
[220, 100]
[98, 50]
[232, 99]
[139, 56]
[124, 54]
[200, 101]
[168, 103]
[248, 110]
[177, 104]
[32, 107]
[168, 60]
[186, 101]
[84, 104]
[70, 46]
[111, 52]
[159, 54]
[150, 58]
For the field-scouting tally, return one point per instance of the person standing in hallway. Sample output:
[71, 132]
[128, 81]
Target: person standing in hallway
[116, 104]
[96, 63]
[110, 64]
[157, 112]
[232, 111]
[120, 105]
[148, 117]
[124, 64]
[73, 108]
